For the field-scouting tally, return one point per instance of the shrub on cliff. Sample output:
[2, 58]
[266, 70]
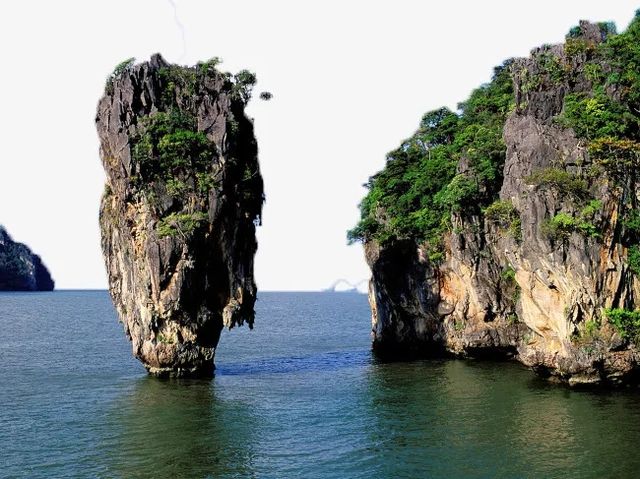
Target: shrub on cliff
[505, 216]
[608, 119]
[626, 322]
[415, 194]
[560, 180]
[117, 72]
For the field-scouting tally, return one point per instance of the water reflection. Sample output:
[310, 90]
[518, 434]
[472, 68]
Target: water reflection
[481, 419]
[178, 429]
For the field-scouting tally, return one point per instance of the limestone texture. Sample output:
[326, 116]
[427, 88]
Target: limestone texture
[532, 297]
[182, 200]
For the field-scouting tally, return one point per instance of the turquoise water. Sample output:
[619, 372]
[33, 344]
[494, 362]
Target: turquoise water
[299, 396]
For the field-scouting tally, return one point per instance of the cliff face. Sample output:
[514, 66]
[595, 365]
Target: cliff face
[20, 269]
[182, 199]
[544, 273]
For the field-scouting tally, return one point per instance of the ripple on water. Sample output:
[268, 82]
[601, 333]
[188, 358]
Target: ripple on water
[300, 396]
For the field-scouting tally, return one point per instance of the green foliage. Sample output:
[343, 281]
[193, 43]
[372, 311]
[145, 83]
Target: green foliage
[586, 336]
[591, 209]
[560, 226]
[167, 145]
[508, 275]
[505, 216]
[415, 194]
[608, 117]
[577, 46]
[165, 339]
[591, 328]
[530, 82]
[244, 82]
[632, 222]
[607, 29]
[209, 67]
[510, 286]
[205, 181]
[561, 180]
[178, 83]
[176, 187]
[592, 115]
[593, 72]
[512, 319]
[459, 193]
[117, 72]
[553, 67]
[183, 224]
[122, 67]
[633, 259]
[626, 322]
[169, 149]
[619, 157]
[232, 124]
[575, 32]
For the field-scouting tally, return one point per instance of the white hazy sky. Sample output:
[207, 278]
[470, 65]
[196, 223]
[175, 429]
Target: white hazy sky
[350, 80]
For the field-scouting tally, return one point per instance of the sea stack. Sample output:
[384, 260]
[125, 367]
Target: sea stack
[511, 228]
[182, 200]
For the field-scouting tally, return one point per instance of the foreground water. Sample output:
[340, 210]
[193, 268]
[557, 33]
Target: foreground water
[299, 396]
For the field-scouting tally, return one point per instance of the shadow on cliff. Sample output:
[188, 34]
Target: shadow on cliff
[178, 428]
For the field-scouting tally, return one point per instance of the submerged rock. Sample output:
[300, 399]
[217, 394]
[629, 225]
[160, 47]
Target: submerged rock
[182, 199]
[537, 260]
[20, 269]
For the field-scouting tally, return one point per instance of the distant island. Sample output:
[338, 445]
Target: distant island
[20, 269]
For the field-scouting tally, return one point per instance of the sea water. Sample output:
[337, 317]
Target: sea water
[300, 396]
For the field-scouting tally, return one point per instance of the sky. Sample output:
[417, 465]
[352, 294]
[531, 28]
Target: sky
[350, 79]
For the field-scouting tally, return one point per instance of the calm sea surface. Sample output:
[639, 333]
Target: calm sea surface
[300, 396]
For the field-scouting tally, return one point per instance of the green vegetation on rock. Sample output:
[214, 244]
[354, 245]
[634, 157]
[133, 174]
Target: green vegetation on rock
[626, 322]
[117, 72]
[560, 226]
[561, 181]
[506, 217]
[174, 164]
[453, 163]
[421, 185]
[168, 144]
[183, 224]
[607, 119]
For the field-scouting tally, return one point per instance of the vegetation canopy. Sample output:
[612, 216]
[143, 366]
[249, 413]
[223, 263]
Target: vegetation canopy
[174, 164]
[422, 183]
[454, 161]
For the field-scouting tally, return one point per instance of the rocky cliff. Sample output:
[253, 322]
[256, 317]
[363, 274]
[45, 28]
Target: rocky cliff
[511, 227]
[182, 199]
[20, 269]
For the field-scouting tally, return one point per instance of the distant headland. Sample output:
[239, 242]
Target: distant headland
[20, 269]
